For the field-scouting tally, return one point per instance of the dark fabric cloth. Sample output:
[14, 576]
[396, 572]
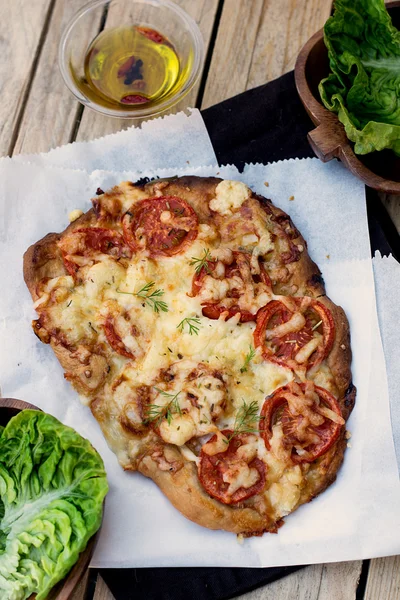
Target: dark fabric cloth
[263, 125]
[206, 583]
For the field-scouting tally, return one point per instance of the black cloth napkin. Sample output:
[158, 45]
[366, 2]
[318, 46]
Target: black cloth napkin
[262, 125]
[201, 583]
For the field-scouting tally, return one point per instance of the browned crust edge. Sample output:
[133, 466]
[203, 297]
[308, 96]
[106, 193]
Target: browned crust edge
[184, 491]
[43, 258]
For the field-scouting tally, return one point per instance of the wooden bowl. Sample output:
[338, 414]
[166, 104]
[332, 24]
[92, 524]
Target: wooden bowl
[378, 170]
[9, 407]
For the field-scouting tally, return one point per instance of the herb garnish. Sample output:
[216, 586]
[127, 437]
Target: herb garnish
[247, 416]
[149, 296]
[193, 323]
[92, 328]
[316, 325]
[202, 262]
[249, 357]
[156, 413]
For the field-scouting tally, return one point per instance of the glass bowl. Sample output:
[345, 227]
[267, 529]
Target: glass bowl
[100, 15]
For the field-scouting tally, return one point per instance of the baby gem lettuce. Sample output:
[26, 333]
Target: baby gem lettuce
[363, 87]
[52, 487]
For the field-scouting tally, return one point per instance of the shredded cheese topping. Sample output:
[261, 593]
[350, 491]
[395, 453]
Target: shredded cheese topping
[196, 377]
[229, 195]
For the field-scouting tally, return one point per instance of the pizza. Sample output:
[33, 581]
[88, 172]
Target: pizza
[190, 318]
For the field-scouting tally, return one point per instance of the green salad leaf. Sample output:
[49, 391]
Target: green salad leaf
[52, 487]
[363, 87]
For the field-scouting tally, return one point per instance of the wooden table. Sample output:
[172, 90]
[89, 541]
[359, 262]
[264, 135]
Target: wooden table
[249, 42]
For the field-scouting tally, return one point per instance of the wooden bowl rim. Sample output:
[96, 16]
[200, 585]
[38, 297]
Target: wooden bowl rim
[321, 115]
[64, 588]
[17, 404]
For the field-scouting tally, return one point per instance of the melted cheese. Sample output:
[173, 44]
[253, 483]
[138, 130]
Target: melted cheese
[240, 475]
[181, 429]
[206, 403]
[229, 196]
[75, 214]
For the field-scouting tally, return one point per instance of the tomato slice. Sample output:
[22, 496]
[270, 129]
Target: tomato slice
[88, 240]
[164, 225]
[134, 99]
[213, 470]
[309, 429]
[151, 34]
[238, 271]
[114, 339]
[312, 323]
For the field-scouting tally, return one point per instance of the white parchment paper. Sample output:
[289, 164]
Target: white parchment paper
[171, 141]
[387, 286]
[359, 515]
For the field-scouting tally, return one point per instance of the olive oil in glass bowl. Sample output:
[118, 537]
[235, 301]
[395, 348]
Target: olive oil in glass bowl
[131, 58]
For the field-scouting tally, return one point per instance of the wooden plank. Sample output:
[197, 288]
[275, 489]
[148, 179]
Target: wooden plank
[336, 581]
[257, 41]
[80, 592]
[233, 51]
[383, 579]
[21, 26]
[102, 592]
[94, 124]
[51, 109]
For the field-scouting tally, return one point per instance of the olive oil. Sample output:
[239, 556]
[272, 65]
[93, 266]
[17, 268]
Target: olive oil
[131, 67]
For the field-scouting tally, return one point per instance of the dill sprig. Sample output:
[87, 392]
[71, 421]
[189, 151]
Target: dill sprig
[194, 325]
[202, 262]
[150, 296]
[249, 357]
[246, 418]
[156, 413]
[316, 325]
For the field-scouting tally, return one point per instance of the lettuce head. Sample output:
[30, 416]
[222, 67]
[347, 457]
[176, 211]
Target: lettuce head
[363, 87]
[52, 487]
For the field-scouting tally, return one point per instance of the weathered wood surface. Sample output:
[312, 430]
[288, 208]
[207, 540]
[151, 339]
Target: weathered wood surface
[51, 110]
[336, 581]
[81, 591]
[383, 579]
[23, 26]
[257, 41]
[102, 592]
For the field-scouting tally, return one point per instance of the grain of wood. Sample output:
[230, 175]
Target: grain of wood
[96, 125]
[102, 592]
[276, 48]
[51, 109]
[383, 579]
[258, 41]
[233, 51]
[21, 25]
[336, 581]
[80, 592]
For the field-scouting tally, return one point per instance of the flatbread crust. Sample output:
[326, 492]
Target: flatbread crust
[141, 448]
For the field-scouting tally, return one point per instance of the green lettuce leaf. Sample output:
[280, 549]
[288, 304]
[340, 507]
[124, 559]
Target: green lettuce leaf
[52, 487]
[363, 87]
